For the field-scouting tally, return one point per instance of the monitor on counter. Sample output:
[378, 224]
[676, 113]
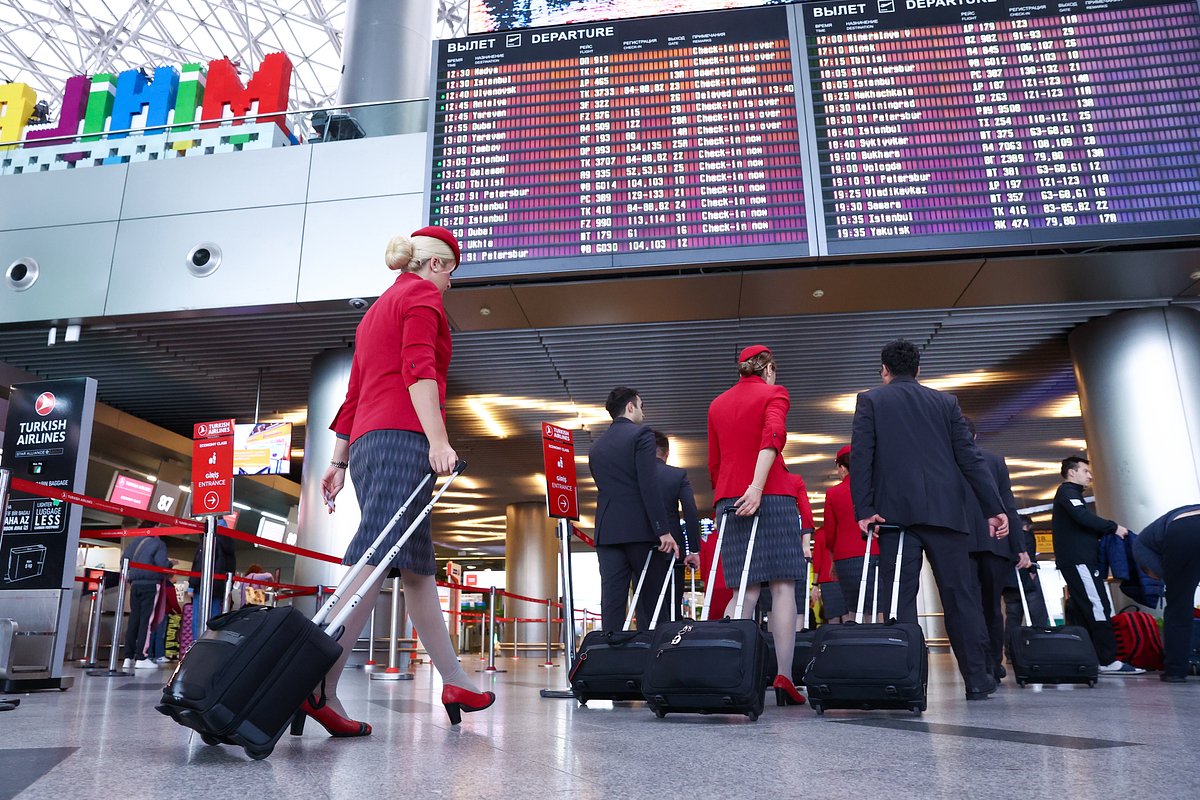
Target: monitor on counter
[131, 492]
[271, 529]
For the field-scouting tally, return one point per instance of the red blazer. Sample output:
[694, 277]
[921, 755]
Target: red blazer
[403, 338]
[802, 502]
[748, 417]
[822, 563]
[845, 538]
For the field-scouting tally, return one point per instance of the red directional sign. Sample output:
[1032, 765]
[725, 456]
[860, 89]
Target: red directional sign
[212, 468]
[558, 456]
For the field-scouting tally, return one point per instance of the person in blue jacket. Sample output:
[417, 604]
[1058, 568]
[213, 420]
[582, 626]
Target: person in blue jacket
[1169, 549]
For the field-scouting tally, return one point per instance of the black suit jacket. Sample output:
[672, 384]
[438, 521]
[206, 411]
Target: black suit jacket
[676, 491]
[629, 507]
[910, 452]
[1012, 545]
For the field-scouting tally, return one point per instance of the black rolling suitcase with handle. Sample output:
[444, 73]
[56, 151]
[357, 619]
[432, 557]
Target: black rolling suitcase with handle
[610, 664]
[1052, 655]
[243, 681]
[707, 667]
[874, 665]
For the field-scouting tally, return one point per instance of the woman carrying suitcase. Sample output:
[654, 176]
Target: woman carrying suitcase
[391, 432]
[747, 428]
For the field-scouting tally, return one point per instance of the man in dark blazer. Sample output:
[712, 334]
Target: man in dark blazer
[912, 461]
[630, 518]
[994, 558]
[677, 492]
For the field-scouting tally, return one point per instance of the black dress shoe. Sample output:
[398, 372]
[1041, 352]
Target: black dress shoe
[978, 695]
[1173, 678]
[1000, 672]
[983, 692]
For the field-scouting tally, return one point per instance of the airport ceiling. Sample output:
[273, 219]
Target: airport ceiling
[1009, 365]
[44, 42]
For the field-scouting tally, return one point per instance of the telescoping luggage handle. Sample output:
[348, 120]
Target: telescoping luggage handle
[1024, 602]
[334, 625]
[668, 580]
[712, 571]
[873, 531]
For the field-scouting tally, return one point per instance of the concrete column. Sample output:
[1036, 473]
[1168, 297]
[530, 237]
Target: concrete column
[318, 529]
[1139, 388]
[531, 566]
[386, 55]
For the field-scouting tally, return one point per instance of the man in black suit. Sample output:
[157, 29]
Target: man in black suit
[912, 459]
[994, 558]
[630, 518]
[676, 492]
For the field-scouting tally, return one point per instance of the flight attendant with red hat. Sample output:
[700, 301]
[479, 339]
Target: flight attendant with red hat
[844, 540]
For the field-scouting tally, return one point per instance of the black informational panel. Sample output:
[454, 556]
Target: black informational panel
[829, 128]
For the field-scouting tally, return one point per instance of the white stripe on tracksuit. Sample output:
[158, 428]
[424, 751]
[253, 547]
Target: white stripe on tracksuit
[1089, 584]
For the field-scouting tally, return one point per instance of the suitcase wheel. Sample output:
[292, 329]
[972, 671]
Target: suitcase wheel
[1020, 682]
[209, 739]
[660, 713]
[753, 715]
[820, 709]
[917, 709]
[584, 698]
[1092, 684]
[257, 755]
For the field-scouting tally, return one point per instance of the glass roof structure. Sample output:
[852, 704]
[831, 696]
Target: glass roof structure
[44, 42]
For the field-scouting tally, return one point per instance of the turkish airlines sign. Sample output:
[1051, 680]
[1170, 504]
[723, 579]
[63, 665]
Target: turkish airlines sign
[558, 457]
[212, 468]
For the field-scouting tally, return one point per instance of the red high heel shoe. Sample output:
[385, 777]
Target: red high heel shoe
[786, 693]
[457, 700]
[334, 724]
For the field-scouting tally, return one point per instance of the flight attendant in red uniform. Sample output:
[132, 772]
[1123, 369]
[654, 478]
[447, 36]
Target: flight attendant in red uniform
[747, 428]
[844, 539]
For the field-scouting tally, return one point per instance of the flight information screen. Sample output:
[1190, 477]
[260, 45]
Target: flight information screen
[952, 123]
[625, 143]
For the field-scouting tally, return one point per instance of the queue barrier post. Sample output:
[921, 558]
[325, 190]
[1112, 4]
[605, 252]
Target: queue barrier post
[93, 630]
[491, 634]
[371, 666]
[208, 548]
[568, 609]
[393, 673]
[549, 636]
[115, 654]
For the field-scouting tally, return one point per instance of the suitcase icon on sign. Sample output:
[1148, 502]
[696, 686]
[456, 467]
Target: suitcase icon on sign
[25, 562]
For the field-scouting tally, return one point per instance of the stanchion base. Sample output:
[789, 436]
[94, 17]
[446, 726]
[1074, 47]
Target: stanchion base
[108, 673]
[90, 665]
[550, 665]
[370, 667]
[35, 684]
[391, 676]
[558, 694]
[494, 670]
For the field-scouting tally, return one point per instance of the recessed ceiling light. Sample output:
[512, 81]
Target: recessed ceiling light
[485, 311]
[1194, 276]
[819, 293]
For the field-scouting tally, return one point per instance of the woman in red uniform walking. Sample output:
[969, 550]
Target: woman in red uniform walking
[391, 433]
[747, 428]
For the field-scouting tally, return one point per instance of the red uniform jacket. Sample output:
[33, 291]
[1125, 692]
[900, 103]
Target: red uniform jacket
[822, 563]
[403, 338]
[844, 537]
[748, 417]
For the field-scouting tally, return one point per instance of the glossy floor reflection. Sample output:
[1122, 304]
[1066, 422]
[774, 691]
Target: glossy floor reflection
[1132, 737]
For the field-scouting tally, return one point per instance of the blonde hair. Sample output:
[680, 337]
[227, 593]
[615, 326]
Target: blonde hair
[412, 253]
[756, 365]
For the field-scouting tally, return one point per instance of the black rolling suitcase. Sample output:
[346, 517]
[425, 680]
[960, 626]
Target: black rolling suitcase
[1052, 655]
[707, 667]
[610, 664]
[802, 652]
[874, 665]
[244, 679]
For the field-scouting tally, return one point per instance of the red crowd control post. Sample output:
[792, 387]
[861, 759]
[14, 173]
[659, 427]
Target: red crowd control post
[491, 634]
[114, 656]
[93, 629]
[393, 673]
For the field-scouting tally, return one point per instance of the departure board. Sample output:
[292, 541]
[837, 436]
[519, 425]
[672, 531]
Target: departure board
[625, 143]
[976, 123]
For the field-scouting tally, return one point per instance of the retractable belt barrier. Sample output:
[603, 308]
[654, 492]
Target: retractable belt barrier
[181, 526]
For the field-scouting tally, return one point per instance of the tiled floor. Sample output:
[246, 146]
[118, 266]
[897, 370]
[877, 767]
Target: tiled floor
[1132, 737]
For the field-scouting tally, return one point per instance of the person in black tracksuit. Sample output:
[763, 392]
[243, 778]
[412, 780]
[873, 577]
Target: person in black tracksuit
[1169, 549]
[1014, 612]
[631, 520]
[677, 493]
[1077, 532]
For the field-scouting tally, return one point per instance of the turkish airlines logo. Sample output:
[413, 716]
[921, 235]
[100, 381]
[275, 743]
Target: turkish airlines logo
[202, 429]
[44, 404]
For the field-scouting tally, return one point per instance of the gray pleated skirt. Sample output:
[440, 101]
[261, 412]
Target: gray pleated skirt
[386, 466]
[777, 552]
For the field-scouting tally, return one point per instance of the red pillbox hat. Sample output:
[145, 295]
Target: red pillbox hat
[441, 234]
[751, 351]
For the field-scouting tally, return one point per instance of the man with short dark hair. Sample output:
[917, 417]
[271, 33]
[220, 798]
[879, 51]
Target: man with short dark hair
[912, 460]
[677, 493]
[631, 520]
[1077, 532]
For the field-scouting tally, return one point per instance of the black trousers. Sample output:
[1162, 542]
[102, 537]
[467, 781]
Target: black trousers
[1181, 563]
[620, 567]
[992, 571]
[680, 588]
[1088, 601]
[849, 577]
[958, 586]
[1014, 613]
[142, 596]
